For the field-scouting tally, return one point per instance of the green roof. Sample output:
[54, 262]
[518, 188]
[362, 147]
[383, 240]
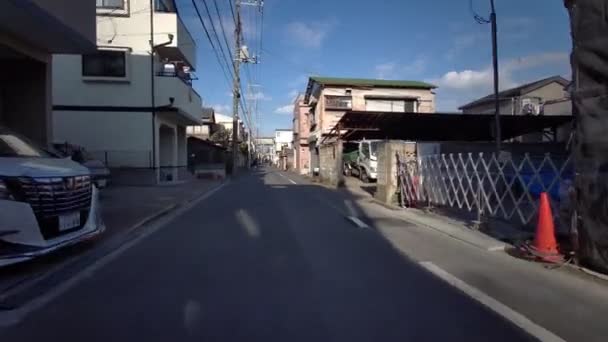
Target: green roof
[372, 82]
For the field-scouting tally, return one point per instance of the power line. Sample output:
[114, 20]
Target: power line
[217, 36]
[217, 10]
[479, 19]
[217, 56]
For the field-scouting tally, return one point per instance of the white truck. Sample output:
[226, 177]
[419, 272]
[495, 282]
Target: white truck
[361, 159]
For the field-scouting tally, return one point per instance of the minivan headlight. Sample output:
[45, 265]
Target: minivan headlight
[5, 193]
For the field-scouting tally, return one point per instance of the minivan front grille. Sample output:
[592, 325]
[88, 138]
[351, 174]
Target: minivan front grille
[52, 197]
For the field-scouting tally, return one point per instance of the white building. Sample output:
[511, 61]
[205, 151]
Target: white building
[128, 106]
[283, 137]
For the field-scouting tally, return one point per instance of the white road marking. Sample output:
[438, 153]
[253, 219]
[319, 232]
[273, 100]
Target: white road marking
[358, 222]
[251, 227]
[515, 317]
[282, 175]
[12, 317]
[351, 208]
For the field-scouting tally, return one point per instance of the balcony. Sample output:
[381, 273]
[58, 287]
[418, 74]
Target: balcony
[185, 98]
[183, 47]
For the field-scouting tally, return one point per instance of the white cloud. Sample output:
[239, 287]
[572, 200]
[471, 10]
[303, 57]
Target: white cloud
[463, 41]
[292, 94]
[392, 70]
[259, 96]
[458, 87]
[385, 70]
[222, 109]
[308, 34]
[288, 109]
[298, 81]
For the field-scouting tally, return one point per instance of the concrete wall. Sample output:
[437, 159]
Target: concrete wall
[387, 167]
[129, 146]
[506, 108]
[330, 170]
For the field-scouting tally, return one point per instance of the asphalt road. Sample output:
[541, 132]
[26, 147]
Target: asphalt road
[263, 260]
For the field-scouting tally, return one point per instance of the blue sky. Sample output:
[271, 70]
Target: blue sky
[436, 41]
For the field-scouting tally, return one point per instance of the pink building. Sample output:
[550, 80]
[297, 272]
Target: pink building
[301, 131]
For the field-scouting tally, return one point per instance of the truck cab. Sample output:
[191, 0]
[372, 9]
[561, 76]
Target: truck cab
[361, 159]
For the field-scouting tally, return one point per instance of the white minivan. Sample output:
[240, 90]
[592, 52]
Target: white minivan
[46, 202]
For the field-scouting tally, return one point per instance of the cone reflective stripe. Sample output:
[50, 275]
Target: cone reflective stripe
[545, 244]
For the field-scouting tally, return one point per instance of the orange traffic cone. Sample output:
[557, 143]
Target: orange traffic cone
[545, 245]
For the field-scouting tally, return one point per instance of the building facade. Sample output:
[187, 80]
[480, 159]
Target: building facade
[301, 131]
[528, 99]
[130, 101]
[330, 98]
[30, 32]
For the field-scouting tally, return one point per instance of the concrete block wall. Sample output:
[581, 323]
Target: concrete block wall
[387, 167]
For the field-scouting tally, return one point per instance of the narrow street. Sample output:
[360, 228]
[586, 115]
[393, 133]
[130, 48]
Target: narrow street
[263, 259]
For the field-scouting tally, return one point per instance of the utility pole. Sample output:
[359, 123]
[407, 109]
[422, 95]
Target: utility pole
[495, 66]
[239, 57]
[236, 87]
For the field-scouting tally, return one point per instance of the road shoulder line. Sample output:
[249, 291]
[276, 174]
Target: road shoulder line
[506, 312]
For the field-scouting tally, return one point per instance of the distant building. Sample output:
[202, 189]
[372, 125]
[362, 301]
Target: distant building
[301, 131]
[205, 129]
[330, 98]
[527, 99]
[283, 138]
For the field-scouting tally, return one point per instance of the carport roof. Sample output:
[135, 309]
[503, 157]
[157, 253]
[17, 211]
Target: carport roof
[356, 125]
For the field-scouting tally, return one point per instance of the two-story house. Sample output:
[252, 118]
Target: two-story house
[527, 99]
[130, 101]
[330, 98]
[30, 32]
[301, 131]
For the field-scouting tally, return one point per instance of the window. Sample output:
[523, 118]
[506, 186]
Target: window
[111, 4]
[390, 105]
[338, 102]
[105, 63]
[165, 6]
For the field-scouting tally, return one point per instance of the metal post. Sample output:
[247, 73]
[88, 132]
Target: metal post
[236, 94]
[495, 65]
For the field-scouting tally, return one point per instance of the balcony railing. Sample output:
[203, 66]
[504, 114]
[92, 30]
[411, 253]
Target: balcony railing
[187, 78]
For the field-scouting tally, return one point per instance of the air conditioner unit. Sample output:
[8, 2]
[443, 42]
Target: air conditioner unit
[530, 107]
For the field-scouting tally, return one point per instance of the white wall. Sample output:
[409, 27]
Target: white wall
[129, 146]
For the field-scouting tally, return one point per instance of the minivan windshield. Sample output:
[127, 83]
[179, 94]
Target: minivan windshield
[14, 145]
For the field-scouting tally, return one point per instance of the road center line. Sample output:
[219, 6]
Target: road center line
[513, 316]
[358, 222]
[292, 182]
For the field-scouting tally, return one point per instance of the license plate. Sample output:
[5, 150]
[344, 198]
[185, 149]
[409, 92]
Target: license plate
[69, 221]
[102, 183]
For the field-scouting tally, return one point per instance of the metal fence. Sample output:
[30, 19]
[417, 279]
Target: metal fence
[506, 187]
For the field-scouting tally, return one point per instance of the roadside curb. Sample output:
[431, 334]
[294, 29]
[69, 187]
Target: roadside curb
[12, 295]
[469, 237]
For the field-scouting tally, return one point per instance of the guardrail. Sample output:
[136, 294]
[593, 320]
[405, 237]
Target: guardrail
[507, 188]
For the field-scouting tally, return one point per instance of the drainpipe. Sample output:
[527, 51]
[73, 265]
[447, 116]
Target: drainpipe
[153, 79]
[152, 84]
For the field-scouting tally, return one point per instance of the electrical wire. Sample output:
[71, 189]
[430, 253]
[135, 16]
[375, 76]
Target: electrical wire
[219, 60]
[222, 51]
[479, 19]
